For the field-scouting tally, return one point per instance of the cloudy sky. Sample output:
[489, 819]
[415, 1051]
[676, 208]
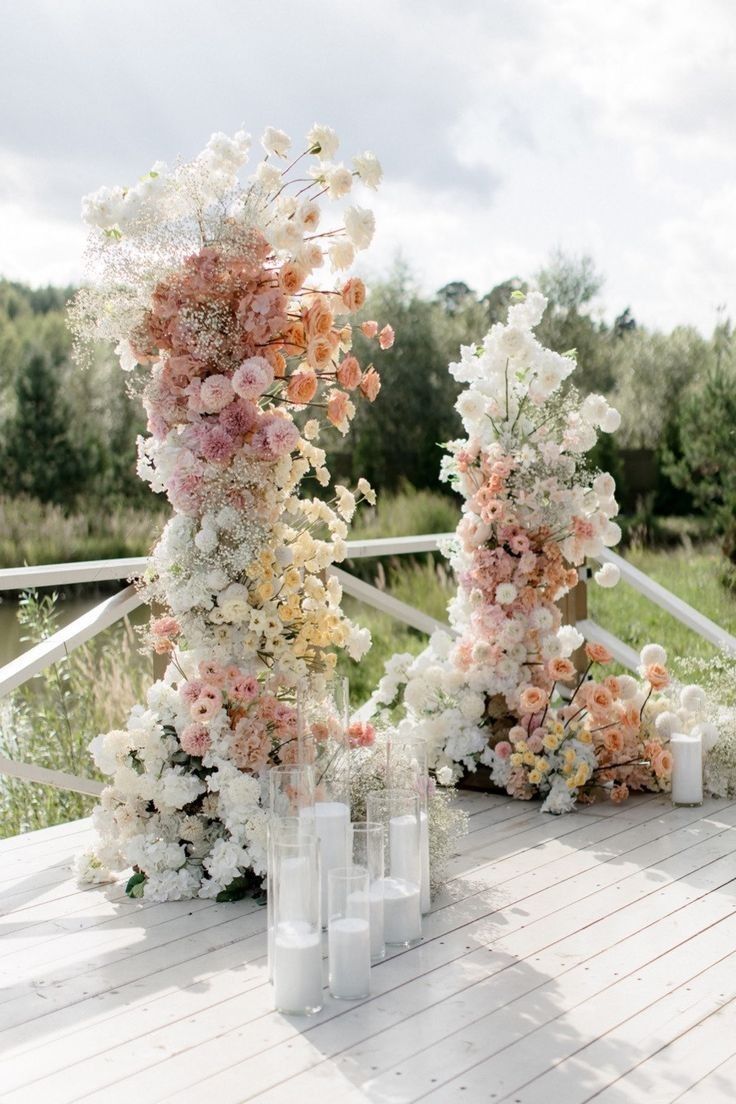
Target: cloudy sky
[506, 127]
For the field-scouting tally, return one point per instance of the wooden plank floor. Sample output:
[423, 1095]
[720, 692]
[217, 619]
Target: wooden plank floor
[586, 957]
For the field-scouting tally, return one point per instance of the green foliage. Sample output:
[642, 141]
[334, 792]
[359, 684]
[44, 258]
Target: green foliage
[52, 719]
[707, 438]
[43, 457]
[64, 432]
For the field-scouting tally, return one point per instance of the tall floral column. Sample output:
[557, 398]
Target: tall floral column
[219, 299]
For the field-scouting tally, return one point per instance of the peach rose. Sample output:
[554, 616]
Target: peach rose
[277, 362]
[337, 407]
[302, 387]
[597, 653]
[599, 698]
[532, 700]
[318, 319]
[319, 353]
[353, 293]
[294, 338]
[619, 793]
[657, 676]
[386, 337]
[662, 764]
[370, 384]
[613, 740]
[612, 683]
[561, 670]
[517, 733]
[291, 277]
[349, 373]
[369, 329]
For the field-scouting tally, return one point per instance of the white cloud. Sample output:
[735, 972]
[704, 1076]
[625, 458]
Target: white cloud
[605, 128]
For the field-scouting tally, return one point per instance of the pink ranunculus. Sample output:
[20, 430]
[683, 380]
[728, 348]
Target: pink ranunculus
[165, 626]
[535, 743]
[361, 734]
[215, 393]
[195, 739]
[212, 673]
[190, 691]
[386, 337]
[282, 436]
[369, 329]
[203, 709]
[215, 443]
[239, 417]
[503, 749]
[252, 378]
[244, 688]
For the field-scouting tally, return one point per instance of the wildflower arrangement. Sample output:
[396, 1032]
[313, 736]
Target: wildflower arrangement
[215, 295]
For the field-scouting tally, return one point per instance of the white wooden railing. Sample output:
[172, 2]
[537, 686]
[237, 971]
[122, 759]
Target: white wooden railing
[111, 610]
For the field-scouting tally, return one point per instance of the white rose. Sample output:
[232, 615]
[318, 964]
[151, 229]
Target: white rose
[268, 177]
[610, 421]
[339, 181]
[323, 141]
[368, 168]
[276, 142]
[360, 225]
[342, 255]
[604, 485]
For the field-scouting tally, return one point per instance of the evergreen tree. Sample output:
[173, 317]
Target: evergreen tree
[41, 456]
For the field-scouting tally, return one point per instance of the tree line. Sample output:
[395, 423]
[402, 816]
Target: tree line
[67, 435]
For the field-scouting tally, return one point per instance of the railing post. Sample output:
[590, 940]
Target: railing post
[574, 608]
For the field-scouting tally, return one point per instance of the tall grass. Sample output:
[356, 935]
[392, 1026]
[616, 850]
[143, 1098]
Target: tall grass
[51, 720]
[33, 532]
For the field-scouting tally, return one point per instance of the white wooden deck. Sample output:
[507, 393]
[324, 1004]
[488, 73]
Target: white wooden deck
[589, 957]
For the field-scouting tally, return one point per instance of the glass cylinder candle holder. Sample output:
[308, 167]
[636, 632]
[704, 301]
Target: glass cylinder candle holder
[397, 811]
[322, 726]
[687, 769]
[408, 766]
[367, 851]
[293, 829]
[297, 932]
[348, 932]
[290, 789]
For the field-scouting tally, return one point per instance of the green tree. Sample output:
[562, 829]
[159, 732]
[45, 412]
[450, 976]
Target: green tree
[42, 455]
[707, 440]
[571, 284]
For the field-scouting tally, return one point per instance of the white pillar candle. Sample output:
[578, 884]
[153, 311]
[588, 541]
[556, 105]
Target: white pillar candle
[297, 968]
[402, 912]
[294, 888]
[332, 820]
[403, 842]
[687, 769]
[349, 944]
[424, 848]
[356, 907]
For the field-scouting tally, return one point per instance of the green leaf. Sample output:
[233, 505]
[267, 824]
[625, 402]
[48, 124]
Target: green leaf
[135, 885]
[114, 233]
[518, 296]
